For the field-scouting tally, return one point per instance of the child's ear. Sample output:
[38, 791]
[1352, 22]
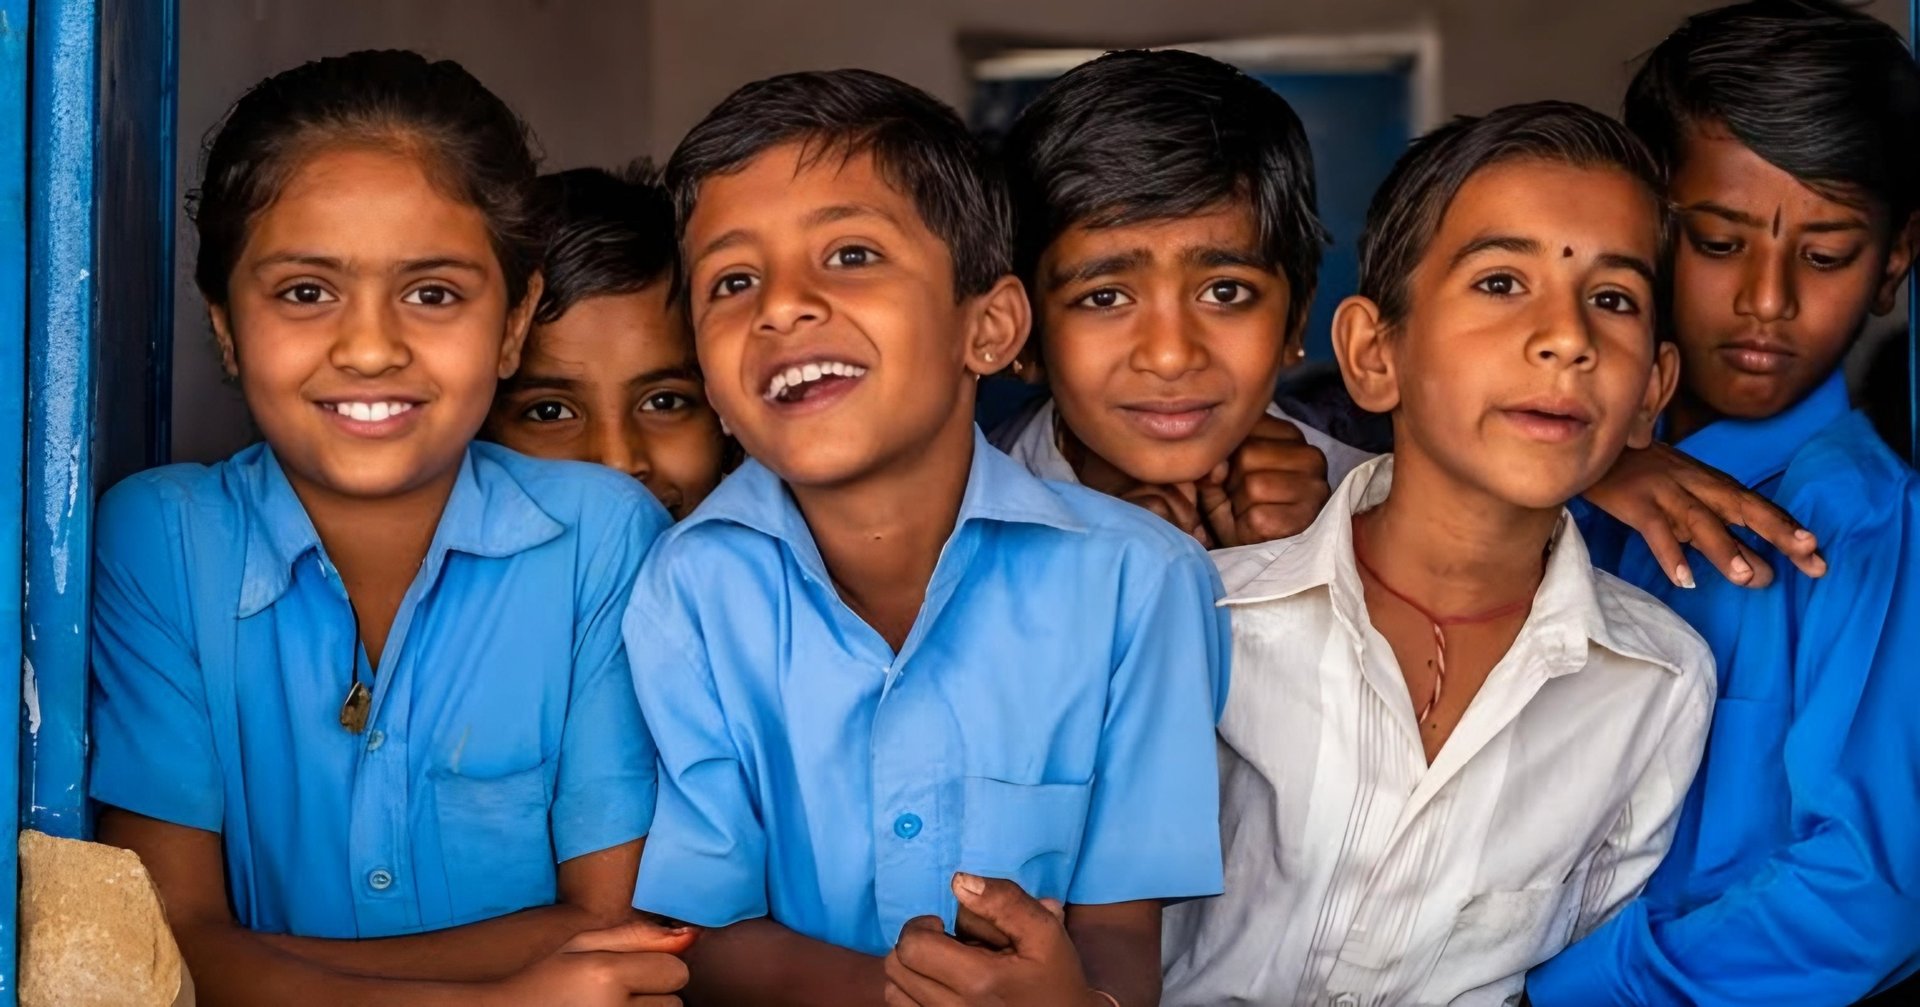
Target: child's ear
[222, 323]
[1664, 378]
[1001, 320]
[519, 323]
[1899, 261]
[1362, 344]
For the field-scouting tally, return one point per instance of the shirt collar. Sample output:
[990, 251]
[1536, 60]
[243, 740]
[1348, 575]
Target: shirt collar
[488, 513]
[1754, 451]
[1567, 610]
[998, 489]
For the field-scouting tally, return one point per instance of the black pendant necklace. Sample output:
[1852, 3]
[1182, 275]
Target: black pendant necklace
[355, 709]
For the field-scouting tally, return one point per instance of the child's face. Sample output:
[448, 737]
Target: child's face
[614, 381]
[1772, 281]
[1527, 359]
[824, 313]
[368, 324]
[1162, 340]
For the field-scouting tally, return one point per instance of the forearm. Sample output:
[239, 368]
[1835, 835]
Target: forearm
[490, 949]
[759, 962]
[1120, 954]
[232, 966]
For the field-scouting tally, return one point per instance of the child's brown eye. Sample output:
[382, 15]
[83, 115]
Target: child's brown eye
[431, 296]
[1616, 302]
[665, 402]
[1499, 285]
[549, 412]
[854, 255]
[1711, 248]
[1104, 298]
[306, 293]
[1227, 292]
[731, 284]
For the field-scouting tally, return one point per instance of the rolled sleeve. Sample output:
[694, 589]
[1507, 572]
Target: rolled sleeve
[607, 778]
[706, 859]
[153, 751]
[1153, 823]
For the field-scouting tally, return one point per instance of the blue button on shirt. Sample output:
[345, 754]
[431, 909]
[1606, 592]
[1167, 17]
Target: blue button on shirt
[1795, 875]
[1049, 718]
[504, 734]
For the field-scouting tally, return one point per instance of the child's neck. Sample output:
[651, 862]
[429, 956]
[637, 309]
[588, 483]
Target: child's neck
[1469, 554]
[377, 545]
[1686, 415]
[882, 536]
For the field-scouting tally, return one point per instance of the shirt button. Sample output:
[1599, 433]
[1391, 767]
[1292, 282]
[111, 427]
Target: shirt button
[1346, 1000]
[379, 880]
[907, 826]
[375, 739]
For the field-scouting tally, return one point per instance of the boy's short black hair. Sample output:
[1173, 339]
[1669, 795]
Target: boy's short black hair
[1824, 92]
[1407, 210]
[606, 233]
[917, 142]
[1140, 135]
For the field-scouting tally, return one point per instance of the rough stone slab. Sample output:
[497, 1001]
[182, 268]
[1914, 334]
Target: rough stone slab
[92, 933]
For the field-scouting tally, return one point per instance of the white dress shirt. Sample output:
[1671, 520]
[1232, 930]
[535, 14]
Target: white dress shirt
[1028, 437]
[1357, 875]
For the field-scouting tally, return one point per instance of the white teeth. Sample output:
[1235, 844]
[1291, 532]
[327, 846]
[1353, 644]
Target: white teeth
[371, 412]
[793, 377]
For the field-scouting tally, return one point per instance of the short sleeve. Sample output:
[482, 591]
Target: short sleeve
[1153, 825]
[706, 859]
[606, 779]
[152, 738]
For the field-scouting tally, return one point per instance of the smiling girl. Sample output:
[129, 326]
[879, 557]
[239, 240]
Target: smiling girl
[362, 704]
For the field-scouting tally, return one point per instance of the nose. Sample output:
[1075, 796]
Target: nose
[788, 302]
[620, 446]
[370, 340]
[1767, 291]
[1562, 336]
[1170, 345]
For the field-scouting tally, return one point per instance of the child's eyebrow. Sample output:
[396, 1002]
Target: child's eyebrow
[1494, 243]
[1216, 256]
[438, 262]
[844, 211]
[1618, 260]
[1724, 212]
[337, 265]
[1105, 265]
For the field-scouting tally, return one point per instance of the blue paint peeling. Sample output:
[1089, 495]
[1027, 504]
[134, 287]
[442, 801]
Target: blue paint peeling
[60, 405]
[13, 351]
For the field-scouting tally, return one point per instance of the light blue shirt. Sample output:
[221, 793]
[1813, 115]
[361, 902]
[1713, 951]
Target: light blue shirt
[1794, 878]
[504, 734]
[1049, 718]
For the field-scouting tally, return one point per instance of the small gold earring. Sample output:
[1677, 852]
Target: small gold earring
[987, 356]
[1018, 366]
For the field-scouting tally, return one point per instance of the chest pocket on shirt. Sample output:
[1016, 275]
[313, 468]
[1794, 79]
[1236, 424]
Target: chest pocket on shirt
[1027, 832]
[495, 840]
[1497, 937]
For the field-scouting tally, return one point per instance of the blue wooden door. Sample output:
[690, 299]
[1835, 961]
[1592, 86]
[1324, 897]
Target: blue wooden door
[86, 112]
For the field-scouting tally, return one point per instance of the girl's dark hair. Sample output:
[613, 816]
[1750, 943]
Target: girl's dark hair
[471, 143]
[1824, 92]
[918, 144]
[606, 233]
[1141, 135]
[1407, 210]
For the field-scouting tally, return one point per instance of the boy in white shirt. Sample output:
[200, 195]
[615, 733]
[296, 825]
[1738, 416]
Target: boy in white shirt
[1451, 745]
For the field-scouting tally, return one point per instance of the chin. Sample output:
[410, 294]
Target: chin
[1163, 464]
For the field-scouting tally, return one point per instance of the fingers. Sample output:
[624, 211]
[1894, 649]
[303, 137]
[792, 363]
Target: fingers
[637, 935]
[971, 926]
[1273, 428]
[1057, 908]
[909, 988]
[1173, 506]
[646, 973]
[1274, 504]
[1216, 507]
[1711, 537]
[1029, 926]
[1665, 547]
[928, 965]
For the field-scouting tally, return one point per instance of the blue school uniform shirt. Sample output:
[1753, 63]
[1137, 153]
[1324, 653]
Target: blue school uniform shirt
[504, 734]
[1795, 875]
[1049, 718]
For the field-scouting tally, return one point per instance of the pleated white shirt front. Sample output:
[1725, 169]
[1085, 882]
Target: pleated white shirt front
[1357, 875]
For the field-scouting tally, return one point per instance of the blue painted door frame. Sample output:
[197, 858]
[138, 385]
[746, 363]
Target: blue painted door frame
[87, 114]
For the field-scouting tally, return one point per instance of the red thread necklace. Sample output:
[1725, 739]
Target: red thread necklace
[1440, 622]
